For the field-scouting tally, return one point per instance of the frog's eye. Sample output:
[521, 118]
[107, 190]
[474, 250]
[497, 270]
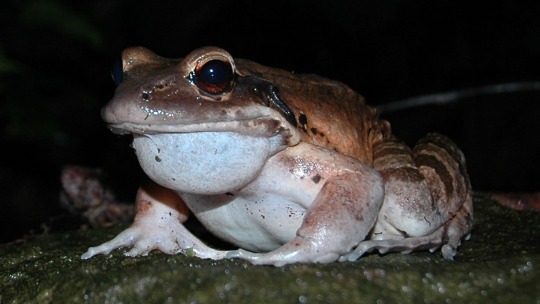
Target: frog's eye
[214, 77]
[117, 72]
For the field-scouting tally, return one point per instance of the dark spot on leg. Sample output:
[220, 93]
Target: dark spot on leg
[316, 179]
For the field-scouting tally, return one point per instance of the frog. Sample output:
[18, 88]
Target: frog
[286, 167]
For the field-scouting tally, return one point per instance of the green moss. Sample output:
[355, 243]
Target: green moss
[498, 264]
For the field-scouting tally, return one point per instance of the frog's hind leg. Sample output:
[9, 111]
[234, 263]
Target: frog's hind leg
[448, 236]
[427, 201]
[342, 215]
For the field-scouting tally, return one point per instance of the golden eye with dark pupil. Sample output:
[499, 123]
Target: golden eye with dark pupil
[214, 77]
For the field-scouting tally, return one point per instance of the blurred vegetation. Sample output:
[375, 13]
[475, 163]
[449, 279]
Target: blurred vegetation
[48, 53]
[24, 81]
[61, 19]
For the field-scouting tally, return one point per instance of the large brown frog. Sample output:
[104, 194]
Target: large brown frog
[290, 168]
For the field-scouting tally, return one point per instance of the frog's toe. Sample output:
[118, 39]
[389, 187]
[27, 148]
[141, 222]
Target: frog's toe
[143, 243]
[104, 249]
[124, 239]
[245, 255]
[139, 250]
[267, 258]
[350, 257]
[233, 254]
[252, 257]
[448, 252]
[92, 251]
[358, 252]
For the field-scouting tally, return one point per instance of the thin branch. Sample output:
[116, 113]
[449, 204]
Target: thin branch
[453, 96]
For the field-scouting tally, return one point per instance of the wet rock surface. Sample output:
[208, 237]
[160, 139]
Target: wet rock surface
[498, 264]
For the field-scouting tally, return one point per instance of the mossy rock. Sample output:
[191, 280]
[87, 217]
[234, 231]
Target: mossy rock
[498, 264]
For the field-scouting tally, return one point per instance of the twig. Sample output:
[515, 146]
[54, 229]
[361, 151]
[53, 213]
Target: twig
[453, 96]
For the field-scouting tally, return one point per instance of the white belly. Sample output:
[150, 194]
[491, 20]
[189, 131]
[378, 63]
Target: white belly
[255, 223]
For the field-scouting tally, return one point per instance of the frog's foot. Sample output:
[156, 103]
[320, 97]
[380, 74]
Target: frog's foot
[407, 245]
[157, 226]
[299, 250]
[448, 236]
[138, 238]
[145, 237]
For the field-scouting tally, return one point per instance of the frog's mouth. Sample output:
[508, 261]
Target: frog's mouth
[264, 126]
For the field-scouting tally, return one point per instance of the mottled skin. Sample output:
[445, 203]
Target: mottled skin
[293, 168]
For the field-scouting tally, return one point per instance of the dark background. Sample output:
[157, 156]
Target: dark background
[55, 59]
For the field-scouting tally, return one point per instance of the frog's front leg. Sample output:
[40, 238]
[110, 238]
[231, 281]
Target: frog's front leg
[341, 216]
[427, 201]
[158, 225]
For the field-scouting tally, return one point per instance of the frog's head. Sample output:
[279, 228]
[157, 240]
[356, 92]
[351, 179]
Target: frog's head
[200, 124]
[205, 91]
